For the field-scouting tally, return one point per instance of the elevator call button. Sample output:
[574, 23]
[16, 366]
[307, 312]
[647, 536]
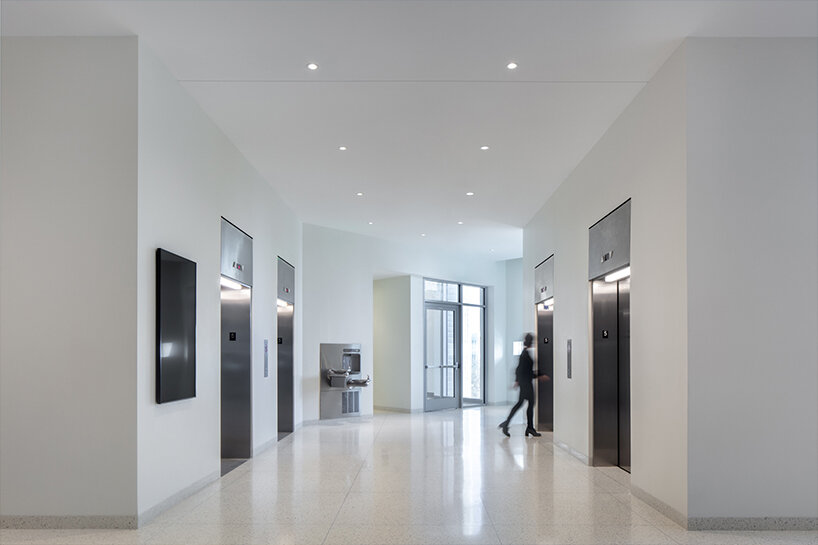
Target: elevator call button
[232, 335]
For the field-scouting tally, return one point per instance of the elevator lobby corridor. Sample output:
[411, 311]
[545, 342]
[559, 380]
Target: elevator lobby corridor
[439, 478]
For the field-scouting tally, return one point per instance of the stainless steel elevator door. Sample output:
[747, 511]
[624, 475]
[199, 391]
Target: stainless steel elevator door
[611, 374]
[286, 407]
[606, 374]
[545, 364]
[236, 377]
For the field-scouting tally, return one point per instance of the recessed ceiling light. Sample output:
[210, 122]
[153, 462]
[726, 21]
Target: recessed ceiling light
[512, 65]
[460, 223]
[370, 223]
[484, 148]
[312, 66]
[359, 194]
[342, 148]
[423, 234]
[491, 250]
[470, 194]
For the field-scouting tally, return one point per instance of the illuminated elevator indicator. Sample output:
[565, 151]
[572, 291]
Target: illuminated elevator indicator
[604, 333]
[232, 335]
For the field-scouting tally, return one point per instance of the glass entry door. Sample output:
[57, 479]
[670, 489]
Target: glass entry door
[442, 357]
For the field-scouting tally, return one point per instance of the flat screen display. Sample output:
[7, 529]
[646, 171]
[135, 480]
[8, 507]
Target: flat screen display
[175, 327]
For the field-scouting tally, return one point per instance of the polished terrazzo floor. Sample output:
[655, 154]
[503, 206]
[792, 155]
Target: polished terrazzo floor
[440, 478]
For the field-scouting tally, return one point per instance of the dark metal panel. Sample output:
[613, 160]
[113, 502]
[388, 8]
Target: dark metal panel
[286, 281]
[544, 280]
[286, 400]
[545, 364]
[236, 376]
[624, 315]
[237, 254]
[609, 242]
[605, 374]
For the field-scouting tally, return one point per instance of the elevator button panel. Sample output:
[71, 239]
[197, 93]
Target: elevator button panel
[569, 358]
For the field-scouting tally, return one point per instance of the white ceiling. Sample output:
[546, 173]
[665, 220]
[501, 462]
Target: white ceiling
[413, 88]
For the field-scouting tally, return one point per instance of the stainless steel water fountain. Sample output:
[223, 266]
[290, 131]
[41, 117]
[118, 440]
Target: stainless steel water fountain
[341, 380]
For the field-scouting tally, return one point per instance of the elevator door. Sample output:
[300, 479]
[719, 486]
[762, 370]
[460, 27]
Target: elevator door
[611, 376]
[286, 401]
[236, 416]
[545, 364]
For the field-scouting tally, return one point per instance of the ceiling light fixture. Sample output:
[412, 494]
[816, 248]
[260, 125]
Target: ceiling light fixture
[470, 194]
[423, 234]
[460, 223]
[359, 194]
[342, 148]
[312, 66]
[512, 65]
[484, 148]
[370, 223]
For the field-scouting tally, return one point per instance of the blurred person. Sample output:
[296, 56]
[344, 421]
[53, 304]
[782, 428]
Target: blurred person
[524, 376]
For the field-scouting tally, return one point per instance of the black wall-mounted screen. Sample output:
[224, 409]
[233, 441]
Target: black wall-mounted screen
[175, 327]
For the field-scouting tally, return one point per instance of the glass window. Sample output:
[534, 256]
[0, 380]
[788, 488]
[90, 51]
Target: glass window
[472, 352]
[433, 291]
[451, 293]
[472, 295]
[440, 291]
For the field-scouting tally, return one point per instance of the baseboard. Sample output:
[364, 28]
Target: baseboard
[264, 446]
[752, 523]
[79, 522]
[150, 514]
[661, 506]
[397, 410]
[573, 452]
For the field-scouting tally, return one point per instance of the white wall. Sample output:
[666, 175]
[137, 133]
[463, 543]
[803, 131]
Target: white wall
[642, 156]
[417, 334]
[68, 256]
[189, 176]
[516, 305]
[392, 343]
[339, 270]
[752, 269]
